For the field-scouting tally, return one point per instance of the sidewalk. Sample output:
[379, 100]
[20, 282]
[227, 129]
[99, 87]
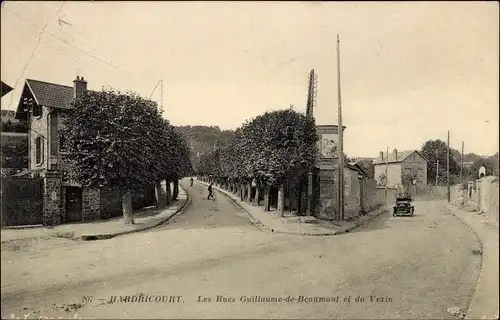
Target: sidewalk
[484, 304]
[290, 224]
[100, 230]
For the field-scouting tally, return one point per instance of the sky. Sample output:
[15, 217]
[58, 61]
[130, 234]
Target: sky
[410, 71]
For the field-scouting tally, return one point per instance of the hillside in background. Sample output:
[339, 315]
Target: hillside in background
[203, 139]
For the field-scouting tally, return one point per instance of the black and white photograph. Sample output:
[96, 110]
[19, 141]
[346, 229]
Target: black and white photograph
[250, 160]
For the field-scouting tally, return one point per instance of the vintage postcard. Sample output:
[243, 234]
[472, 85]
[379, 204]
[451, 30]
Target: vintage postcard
[249, 160]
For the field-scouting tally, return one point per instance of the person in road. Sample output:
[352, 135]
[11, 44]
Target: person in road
[191, 180]
[210, 191]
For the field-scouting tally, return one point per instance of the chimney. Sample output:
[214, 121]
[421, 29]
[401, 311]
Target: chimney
[381, 156]
[79, 87]
[395, 154]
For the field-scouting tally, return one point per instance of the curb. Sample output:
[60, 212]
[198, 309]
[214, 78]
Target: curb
[481, 246]
[30, 226]
[262, 227]
[94, 237]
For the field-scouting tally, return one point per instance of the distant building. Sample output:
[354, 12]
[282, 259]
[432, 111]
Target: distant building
[403, 167]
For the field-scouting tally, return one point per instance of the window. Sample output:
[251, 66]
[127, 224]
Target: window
[39, 150]
[37, 110]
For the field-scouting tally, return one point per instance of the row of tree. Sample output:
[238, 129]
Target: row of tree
[267, 150]
[121, 140]
[437, 151]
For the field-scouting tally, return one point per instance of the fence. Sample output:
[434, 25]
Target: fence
[22, 201]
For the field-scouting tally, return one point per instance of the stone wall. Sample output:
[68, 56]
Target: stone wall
[372, 198]
[91, 204]
[481, 195]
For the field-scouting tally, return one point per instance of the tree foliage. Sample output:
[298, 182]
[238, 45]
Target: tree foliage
[434, 150]
[120, 139]
[270, 148]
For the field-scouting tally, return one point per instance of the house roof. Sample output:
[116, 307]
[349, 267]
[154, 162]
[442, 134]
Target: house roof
[6, 88]
[392, 159]
[355, 166]
[51, 94]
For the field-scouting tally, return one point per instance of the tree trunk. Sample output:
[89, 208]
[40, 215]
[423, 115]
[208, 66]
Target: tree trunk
[256, 197]
[267, 198]
[176, 190]
[299, 198]
[169, 193]
[128, 216]
[242, 192]
[249, 190]
[160, 196]
[281, 200]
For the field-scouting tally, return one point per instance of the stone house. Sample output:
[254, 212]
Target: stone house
[43, 106]
[403, 168]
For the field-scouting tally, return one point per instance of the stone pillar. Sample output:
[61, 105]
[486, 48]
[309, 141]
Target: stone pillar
[52, 198]
[91, 204]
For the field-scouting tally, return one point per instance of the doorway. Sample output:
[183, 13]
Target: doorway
[73, 204]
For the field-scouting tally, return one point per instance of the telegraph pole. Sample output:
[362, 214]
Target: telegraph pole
[448, 167]
[341, 140]
[386, 166]
[310, 114]
[161, 93]
[462, 162]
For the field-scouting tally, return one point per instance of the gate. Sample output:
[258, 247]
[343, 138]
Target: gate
[73, 204]
[22, 201]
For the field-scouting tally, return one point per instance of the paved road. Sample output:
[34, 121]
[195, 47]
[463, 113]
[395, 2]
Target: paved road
[209, 255]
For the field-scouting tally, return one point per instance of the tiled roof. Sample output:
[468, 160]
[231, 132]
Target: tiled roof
[51, 94]
[401, 156]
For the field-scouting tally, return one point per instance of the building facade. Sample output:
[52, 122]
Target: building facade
[403, 168]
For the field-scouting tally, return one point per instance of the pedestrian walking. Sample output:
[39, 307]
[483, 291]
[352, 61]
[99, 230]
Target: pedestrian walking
[210, 191]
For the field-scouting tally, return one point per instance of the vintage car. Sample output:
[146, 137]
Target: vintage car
[403, 206]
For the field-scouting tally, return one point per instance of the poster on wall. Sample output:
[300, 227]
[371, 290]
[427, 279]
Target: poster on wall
[328, 146]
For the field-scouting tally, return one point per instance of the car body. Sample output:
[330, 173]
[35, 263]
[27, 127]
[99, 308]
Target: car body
[403, 206]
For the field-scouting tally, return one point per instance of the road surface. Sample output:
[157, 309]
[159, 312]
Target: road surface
[211, 262]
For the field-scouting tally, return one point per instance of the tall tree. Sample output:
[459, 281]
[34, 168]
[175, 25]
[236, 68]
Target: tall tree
[435, 150]
[111, 141]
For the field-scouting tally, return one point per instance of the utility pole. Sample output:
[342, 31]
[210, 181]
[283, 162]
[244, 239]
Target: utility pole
[161, 93]
[448, 167]
[341, 140]
[310, 114]
[386, 166]
[462, 162]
